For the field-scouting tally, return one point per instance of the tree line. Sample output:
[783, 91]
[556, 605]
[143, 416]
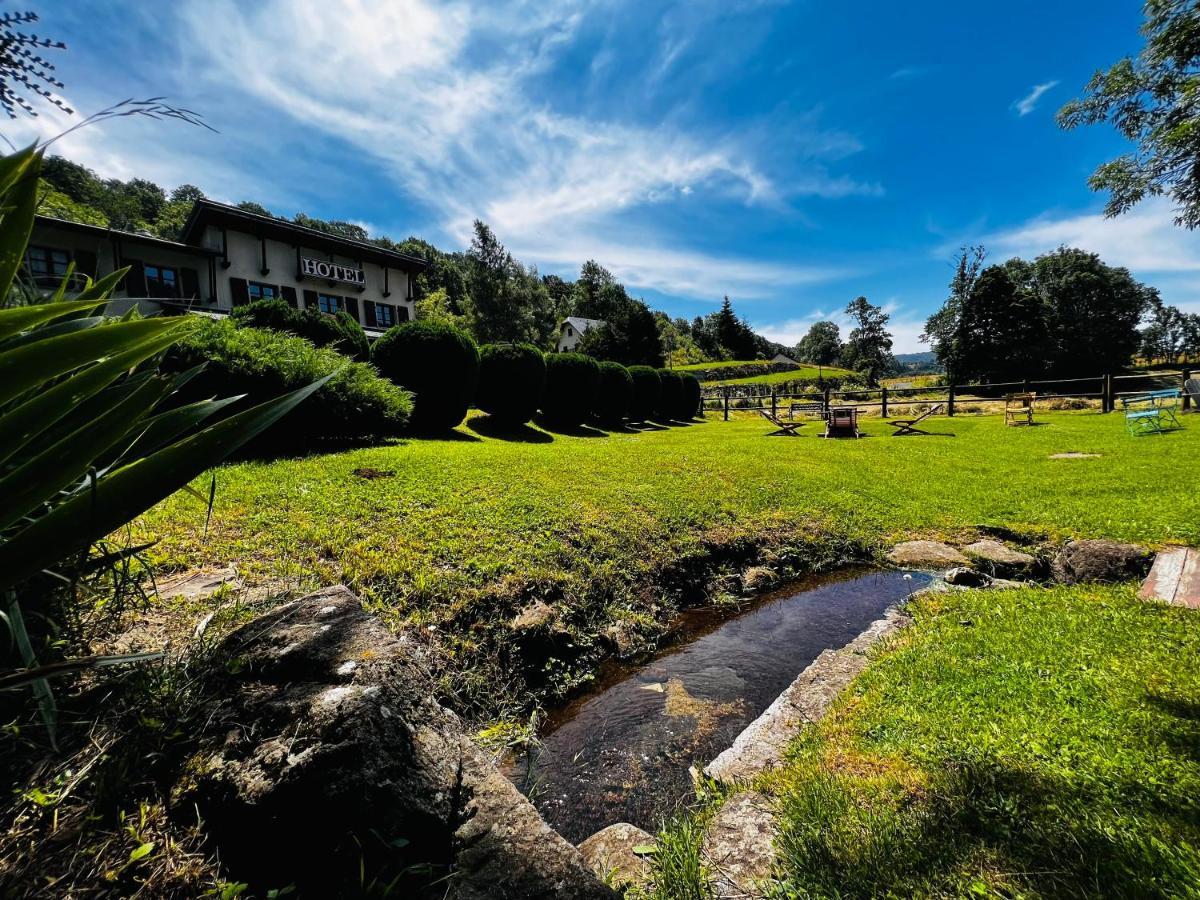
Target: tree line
[484, 290]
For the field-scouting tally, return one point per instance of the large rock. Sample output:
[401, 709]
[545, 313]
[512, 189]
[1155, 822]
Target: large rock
[1000, 559]
[739, 846]
[610, 853]
[1107, 561]
[965, 576]
[325, 750]
[926, 554]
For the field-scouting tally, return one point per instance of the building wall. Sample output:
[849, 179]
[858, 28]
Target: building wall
[569, 338]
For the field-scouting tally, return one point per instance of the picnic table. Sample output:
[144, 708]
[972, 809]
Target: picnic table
[1152, 412]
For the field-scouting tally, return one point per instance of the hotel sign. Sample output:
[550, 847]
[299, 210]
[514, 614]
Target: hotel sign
[320, 268]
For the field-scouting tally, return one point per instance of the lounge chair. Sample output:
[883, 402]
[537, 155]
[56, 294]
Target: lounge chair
[908, 426]
[783, 428]
[1191, 390]
[1018, 408]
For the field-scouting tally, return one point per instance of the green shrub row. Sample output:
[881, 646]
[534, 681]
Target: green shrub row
[355, 404]
[340, 332]
[513, 382]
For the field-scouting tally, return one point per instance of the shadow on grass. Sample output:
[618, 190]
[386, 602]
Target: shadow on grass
[449, 434]
[570, 429]
[491, 427]
[646, 425]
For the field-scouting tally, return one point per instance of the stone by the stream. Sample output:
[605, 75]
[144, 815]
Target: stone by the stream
[1000, 559]
[325, 750]
[610, 853]
[1103, 561]
[197, 585]
[738, 846]
[964, 576]
[536, 615]
[933, 554]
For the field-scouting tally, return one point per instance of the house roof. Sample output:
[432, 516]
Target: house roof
[581, 324]
[129, 236]
[210, 212]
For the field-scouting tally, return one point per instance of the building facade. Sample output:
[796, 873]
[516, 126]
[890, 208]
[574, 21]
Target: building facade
[571, 331]
[228, 257]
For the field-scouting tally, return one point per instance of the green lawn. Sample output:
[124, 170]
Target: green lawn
[1034, 743]
[804, 373]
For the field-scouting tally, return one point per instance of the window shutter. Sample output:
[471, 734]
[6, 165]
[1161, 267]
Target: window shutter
[369, 309]
[85, 263]
[310, 300]
[289, 295]
[135, 279]
[401, 314]
[238, 291]
[190, 281]
[352, 307]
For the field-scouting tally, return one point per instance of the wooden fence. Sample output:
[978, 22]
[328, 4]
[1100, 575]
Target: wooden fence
[1108, 389]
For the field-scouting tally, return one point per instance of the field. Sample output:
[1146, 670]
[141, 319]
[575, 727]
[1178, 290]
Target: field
[1010, 744]
[804, 373]
[619, 528]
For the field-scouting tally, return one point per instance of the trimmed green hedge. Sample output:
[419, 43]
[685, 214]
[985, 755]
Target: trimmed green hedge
[355, 404]
[690, 398]
[437, 362]
[671, 398]
[572, 381]
[341, 331]
[614, 399]
[647, 388]
[512, 378]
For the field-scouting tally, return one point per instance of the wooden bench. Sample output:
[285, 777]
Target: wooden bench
[842, 421]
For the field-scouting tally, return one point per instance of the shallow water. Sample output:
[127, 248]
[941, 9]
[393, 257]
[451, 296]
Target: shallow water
[622, 752]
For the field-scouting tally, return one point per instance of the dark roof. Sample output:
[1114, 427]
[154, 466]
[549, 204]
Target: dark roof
[132, 236]
[210, 212]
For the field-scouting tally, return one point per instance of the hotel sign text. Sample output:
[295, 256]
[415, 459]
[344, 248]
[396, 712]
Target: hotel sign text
[319, 268]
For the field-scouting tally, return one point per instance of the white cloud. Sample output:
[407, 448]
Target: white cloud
[905, 327]
[1028, 103]
[443, 97]
[1145, 240]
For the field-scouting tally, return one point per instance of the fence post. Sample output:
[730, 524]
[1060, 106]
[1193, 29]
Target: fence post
[774, 405]
[1183, 380]
[883, 401]
[950, 400]
[825, 400]
[1107, 404]
[726, 395]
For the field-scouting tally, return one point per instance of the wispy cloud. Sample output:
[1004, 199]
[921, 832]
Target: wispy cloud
[906, 327]
[1028, 103]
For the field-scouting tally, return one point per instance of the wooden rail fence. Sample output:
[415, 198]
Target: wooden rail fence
[1108, 389]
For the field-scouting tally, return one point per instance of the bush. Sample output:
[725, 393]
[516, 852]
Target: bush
[511, 380]
[647, 388]
[690, 397]
[614, 399]
[572, 381]
[671, 398]
[356, 403]
[439, 363]
[341, 331]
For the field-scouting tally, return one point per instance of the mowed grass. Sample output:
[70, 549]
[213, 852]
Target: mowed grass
[575, 514]
[804, 373]
[1028, 743]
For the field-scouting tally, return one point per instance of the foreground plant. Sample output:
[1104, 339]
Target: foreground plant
[92, 437]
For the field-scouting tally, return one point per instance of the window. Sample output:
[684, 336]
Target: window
[258, 291]
[570, 333]
[329, 304]
[44, 261]
[385, 315]
[162, 281]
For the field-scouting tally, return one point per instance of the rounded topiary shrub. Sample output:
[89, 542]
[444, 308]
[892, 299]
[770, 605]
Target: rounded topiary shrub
[671, 397]
[437, 362]
[511, 380]
[689, 402]
[614, 399]
[572, 381]
[647, 387]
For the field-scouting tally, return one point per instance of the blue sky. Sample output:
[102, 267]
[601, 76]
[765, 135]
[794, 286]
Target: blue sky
[792, 155]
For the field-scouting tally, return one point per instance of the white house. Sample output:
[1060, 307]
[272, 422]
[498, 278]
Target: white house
[227, 257]
[571, 331]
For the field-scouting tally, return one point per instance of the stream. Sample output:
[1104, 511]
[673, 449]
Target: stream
[621, 753]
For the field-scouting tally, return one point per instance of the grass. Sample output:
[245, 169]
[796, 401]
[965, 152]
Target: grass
[1013, 744]
[804, 373]
[618, 528]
